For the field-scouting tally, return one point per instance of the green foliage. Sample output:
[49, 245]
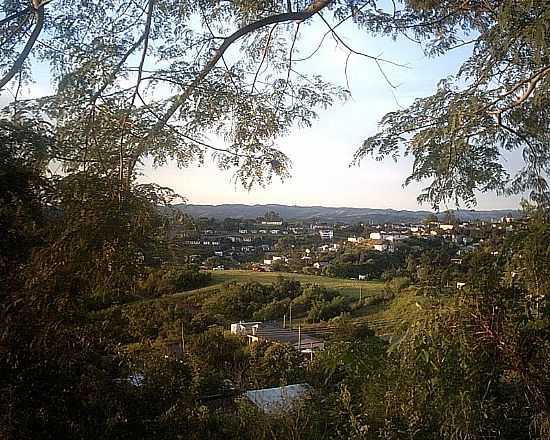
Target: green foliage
[324, 310]
[396, 285]
[24, 193]
[216, 356]
[252, 299]
[281, 365]
[458, 135]
[164, 282]
[370, 263]
[272, 310]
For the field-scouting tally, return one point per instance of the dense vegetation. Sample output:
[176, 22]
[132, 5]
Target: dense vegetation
[88, 335]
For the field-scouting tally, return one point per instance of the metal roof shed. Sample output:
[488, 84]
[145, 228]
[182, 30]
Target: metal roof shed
[279, 399]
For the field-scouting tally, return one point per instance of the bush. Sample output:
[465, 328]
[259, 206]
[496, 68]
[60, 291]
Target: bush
[188, 279]
[273, 310]
[396, 285]
[324, 310]
[166, 282]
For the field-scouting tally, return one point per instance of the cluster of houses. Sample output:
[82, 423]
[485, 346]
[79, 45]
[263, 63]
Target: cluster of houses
[256, 241]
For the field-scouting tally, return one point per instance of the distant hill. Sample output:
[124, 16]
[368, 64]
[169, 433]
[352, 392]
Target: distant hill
[328, 214]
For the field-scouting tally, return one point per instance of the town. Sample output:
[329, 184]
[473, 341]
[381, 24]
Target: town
[271, 243]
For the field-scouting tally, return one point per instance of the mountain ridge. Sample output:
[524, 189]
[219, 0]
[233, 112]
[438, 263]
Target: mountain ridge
[332, 214]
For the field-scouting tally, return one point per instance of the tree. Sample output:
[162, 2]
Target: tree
[281, 365]
[497, 101]
[185, 82]
[24, 194]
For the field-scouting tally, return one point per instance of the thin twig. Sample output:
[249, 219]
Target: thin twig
[266, 50]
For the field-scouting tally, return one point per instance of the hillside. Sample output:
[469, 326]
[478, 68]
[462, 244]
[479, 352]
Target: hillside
[330, 214]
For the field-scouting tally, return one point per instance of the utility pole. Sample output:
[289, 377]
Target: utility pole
[360, 293]
[299, 337]
[290, 317]
[284, 320]
[182, 340]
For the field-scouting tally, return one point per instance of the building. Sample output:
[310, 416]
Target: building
[326, 234]
[272, 222]
[382, 246]
[262, 331]
[279, 399]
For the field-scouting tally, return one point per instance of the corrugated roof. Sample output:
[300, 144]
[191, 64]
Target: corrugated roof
[273, 333]
[277, 399]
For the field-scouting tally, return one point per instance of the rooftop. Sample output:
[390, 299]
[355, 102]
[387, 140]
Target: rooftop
[277, 399]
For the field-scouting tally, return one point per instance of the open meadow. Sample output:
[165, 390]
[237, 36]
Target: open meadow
[351, 289]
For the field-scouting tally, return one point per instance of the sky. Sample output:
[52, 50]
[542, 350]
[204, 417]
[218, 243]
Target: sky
[321, 155]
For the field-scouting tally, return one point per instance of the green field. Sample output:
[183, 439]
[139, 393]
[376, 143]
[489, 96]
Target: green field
[349, 288]
[383, 317]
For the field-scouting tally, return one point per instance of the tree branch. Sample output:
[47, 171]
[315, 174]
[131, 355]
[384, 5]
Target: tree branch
[146, 33]
[531, 83]
[266, 50]
[15, 15]
[179, 100]
[18, 64]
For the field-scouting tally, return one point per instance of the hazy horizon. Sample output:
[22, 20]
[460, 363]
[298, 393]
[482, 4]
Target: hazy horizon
[340, 206]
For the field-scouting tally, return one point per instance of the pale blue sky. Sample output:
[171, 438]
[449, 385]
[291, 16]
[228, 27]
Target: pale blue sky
[322, 153]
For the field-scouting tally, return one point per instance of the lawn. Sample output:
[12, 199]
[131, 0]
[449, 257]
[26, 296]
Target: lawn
[349, 288]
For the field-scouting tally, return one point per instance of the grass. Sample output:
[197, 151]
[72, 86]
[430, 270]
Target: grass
[385, 318]
[351, 289]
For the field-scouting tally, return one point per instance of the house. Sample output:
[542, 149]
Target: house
[326, 234]
[356, 239]
[460, 285]
[279, 399]
[382, 246]
[362, 277]
[262, 331]
[446, 227]
[320, 264]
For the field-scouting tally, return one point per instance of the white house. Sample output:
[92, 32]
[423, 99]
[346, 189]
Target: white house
[326, 234]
